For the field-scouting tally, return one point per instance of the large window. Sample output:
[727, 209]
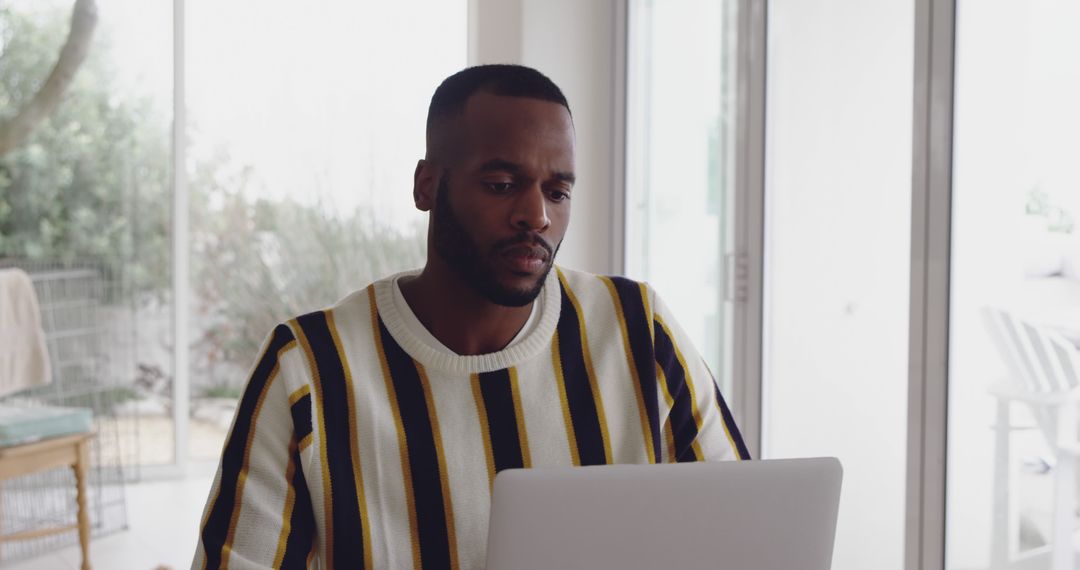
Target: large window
[85, 211]
[303, 140]
[838, 194]
[1015, 315]
[680, 140]
[301, 135]
[989, 298]
[85, 207]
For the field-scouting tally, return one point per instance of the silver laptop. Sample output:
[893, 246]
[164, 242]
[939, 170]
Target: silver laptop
[751, 515]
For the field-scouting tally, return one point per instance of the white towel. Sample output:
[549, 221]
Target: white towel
[24, 360]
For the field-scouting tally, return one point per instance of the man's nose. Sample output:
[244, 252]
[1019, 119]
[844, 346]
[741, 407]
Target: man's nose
[530, 209]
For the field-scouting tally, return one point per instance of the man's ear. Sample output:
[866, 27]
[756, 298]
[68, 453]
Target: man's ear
[425, 181]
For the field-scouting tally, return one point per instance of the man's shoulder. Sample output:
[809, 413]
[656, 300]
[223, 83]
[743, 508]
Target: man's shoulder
[574, 277]
[354, 305]
[585, 284]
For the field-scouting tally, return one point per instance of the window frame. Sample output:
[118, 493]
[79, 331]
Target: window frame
[931, 195]
[931, 245]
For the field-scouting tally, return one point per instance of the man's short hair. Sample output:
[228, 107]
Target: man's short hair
[497, 79]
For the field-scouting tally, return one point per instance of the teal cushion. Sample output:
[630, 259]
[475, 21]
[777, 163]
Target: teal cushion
[24, 425]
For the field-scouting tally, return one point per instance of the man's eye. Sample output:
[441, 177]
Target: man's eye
[499, 187]
[558, 195]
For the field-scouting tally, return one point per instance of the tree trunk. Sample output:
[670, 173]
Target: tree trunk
[15, 131]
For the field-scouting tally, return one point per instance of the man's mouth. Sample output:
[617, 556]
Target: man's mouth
[525, 258]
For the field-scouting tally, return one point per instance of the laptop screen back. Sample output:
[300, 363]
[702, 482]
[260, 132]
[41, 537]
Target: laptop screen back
[752, 515]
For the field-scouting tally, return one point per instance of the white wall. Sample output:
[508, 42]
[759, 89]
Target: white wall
[574, 43]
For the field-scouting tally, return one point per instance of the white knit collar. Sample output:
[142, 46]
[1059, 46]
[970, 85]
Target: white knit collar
[528, 347]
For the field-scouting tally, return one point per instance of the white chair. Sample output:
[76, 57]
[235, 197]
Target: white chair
[1044, 374]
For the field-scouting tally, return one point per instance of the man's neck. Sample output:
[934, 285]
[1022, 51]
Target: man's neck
[459, 317]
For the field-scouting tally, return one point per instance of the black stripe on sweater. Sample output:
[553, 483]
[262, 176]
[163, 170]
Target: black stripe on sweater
[683, 426]
[579, 396]
[301, 415]
[732, 428]
[348, 529]
[431, 515]
[302, 521]
[641, 346]
[233, 456]
[497, 392]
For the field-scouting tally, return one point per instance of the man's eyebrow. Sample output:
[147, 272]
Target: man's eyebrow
[567, 177]
[501, 165]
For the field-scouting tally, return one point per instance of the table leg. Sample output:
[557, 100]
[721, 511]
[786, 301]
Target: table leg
[84, 516]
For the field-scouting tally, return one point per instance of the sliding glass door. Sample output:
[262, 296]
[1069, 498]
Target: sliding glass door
[85, 209]
[680, 165]
[1015, 314]
[837, 255]
[921, 223]
[296, 143]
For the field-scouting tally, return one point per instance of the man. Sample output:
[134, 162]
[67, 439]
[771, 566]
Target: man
[369, 433]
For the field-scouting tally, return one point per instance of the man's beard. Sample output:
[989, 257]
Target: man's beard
[459, 251]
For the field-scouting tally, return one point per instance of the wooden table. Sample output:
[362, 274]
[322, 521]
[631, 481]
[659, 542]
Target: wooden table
[64, 451]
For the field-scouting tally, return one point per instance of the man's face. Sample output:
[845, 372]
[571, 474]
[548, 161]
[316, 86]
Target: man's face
[502, 204]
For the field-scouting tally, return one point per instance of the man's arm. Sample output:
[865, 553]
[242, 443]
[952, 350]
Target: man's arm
[700, 426]
[259, 512]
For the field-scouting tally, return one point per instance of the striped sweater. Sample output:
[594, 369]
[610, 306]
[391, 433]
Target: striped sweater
[357, 444]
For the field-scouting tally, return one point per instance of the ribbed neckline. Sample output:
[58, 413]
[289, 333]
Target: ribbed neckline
[430, 358]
